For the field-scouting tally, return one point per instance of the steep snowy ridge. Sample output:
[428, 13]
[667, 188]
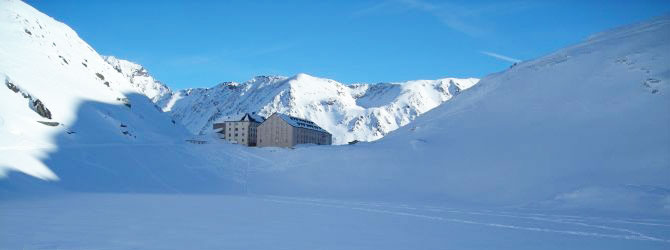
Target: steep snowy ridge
[363, 112]
[55, 91]
[139, 78]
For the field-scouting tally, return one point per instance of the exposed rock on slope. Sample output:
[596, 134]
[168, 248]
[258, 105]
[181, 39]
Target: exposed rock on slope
[34, 103]
[66, 81]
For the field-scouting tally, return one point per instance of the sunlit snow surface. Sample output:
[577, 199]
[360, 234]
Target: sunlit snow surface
[570, 150]
[132, 221]
[47, 59]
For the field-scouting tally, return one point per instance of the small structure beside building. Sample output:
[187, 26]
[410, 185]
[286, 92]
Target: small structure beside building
[280, 130]
[242, 131]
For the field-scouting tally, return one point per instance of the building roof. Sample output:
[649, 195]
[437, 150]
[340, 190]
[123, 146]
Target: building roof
[300, 123]
[238, 118]
[252, 117]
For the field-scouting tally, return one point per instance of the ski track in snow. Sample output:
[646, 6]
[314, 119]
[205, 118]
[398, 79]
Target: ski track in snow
[389, 209]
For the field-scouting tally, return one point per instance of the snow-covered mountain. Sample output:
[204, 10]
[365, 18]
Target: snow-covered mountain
[139, 78]
[578, 128]
[363, 112]
[57, 92]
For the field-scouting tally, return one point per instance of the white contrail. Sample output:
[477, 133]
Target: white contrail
[501, 57]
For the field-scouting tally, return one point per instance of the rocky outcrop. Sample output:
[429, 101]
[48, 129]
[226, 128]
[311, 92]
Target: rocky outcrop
[34, 103]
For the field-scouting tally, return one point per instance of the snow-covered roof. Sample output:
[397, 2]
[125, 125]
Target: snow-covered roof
[241, 117]
[253, 117]
[300, 123]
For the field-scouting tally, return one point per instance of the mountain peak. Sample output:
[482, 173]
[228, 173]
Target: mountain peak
[302, 76]
[263, 79]
[362, 112]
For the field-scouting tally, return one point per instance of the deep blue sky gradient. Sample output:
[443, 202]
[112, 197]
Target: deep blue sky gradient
[201, 43]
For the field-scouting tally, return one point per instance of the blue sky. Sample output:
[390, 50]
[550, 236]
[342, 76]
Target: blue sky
[201, 43]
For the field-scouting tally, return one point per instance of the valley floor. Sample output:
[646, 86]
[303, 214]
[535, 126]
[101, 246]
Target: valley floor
[147, 221]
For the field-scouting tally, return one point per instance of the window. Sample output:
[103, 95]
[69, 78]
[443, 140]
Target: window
[235, 129]
[229, 135]
[236, 134]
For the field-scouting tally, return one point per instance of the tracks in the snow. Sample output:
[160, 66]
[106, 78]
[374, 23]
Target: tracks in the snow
[584, 226]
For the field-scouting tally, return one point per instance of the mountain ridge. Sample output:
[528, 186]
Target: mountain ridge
[354, 112]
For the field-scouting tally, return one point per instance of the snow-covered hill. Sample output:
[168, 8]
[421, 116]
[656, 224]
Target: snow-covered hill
[363, 112]
[57, 92]
[578, 127]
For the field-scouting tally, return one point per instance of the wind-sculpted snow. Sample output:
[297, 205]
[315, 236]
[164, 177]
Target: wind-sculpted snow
[363, 112]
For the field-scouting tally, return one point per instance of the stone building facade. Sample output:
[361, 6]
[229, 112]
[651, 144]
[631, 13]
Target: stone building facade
[243, 131]
[280, 130]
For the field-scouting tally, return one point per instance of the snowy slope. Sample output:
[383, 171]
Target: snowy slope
[572, 127]
[363, 112]
[566, 130]
[49, 75]
[583, 130]
[139, 78]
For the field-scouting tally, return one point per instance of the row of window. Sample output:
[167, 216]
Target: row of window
[276, 140]
[236, 134]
